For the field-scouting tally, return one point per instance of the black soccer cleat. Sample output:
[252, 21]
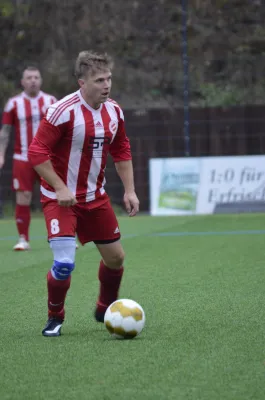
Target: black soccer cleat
[99, 315]
[53, 327]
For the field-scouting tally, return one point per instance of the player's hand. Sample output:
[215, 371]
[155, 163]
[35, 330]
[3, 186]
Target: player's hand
[131, 203]
[2, 160]
[65, 197]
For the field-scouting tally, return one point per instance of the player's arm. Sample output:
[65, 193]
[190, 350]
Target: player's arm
[40, 149]
[64, 196]
[125, 172]
[4, 139]
[7, 124]
[120, 151]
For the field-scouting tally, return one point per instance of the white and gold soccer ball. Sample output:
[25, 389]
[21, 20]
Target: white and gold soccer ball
[124, 319]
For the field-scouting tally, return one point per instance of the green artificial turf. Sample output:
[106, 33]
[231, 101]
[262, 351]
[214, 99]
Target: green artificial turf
[204, 299]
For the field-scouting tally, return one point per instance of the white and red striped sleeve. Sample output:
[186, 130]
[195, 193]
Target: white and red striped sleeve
[120, 148]
[8, 117]
[50, 131]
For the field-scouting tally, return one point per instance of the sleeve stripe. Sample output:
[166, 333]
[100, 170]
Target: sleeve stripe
[54, 117]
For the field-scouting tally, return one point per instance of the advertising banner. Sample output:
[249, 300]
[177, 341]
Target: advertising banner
[181, 186]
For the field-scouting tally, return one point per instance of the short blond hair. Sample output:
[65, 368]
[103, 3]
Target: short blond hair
[89, 62]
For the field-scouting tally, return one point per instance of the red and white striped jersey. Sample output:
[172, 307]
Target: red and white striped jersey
[77, 140]
[24, 113]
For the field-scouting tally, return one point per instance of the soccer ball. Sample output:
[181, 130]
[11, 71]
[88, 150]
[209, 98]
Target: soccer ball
[124, 319]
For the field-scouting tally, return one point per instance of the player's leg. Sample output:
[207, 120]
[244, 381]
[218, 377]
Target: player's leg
[23, 181]
[22, 215]
[104, 231]
[109, 275]
[61, 227]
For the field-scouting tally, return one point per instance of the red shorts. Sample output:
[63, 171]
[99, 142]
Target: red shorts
[24, 176]
[97, 225]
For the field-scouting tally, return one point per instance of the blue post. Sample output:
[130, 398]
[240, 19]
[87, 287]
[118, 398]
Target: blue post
[185, 77]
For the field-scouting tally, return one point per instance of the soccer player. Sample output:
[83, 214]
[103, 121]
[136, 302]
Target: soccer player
[69, 152]
[24, 113]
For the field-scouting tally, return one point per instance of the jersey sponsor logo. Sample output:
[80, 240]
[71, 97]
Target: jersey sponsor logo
[98, 142]
[95, 145]
[31, 118]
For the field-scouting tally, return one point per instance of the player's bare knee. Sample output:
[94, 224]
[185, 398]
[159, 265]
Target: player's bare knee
[115, 260]
[23, 198]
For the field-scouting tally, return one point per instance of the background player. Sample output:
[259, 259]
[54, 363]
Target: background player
[24, 113]
[70, 152]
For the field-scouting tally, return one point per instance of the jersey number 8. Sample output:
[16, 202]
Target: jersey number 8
[55, 226]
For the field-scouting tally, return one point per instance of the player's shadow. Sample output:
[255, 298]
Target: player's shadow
[92, 335]
[111, 339]
[87, 334]
[96, 334]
